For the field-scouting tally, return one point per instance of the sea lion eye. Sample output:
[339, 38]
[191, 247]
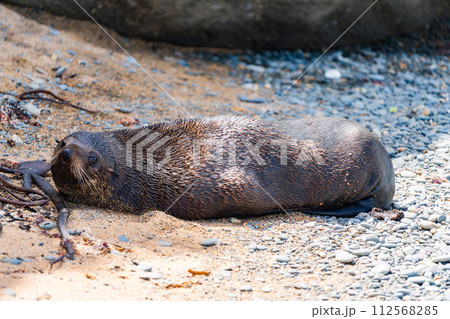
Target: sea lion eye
[93, 159]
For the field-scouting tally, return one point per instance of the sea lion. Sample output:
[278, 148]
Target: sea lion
[228, 166]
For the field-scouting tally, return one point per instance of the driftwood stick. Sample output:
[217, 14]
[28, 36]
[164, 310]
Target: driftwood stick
[63, 215]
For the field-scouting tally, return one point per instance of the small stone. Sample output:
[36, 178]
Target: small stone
[381, 269]
[419, 280]
[15, 140]
[361, 252]
[244, 98]
[398, 162]
[247, 288]
[123, 238]
[441, 259]
[53, 32]
[60, 71]
[310, 224]
[207, 242]
[283, 259]
[155, 275]
[164, 243]
[408, 174]
[409, 215]
[425, 224]
[32, 109]
[344, 257]
[406, 221]
[50, 257]
[371, 237]
[302, 285]
[266, 289]
[15, 261]
[151, 275]
[74, 232]
[125, 110]
[47, 225]
[333, 74]
[410, 272]
[9, 292]
[144, 267]
[438, 218]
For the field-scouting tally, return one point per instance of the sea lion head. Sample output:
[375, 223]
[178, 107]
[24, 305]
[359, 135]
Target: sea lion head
[80, 167]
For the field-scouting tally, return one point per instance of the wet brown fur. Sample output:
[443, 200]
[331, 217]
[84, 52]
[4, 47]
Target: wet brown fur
[347, 165]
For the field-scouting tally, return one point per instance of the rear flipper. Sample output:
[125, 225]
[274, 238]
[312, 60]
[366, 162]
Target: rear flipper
[350, 210]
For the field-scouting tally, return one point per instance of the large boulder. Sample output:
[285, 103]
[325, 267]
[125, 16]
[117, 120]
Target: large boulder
[257, 24]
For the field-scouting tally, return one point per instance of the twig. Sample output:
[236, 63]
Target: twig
[8, 187]
[57, 99]
[33, 95]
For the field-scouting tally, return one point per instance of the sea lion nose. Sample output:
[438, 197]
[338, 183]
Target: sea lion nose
[66, 154]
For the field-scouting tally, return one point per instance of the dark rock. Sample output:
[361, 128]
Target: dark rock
[261, 24]
[244, 98]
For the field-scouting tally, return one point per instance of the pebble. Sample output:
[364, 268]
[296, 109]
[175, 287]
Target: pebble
[441, 259]
[437, 218]
[151, 275]
[244, 98]
[371, 237]
[408, 174]
[361, 252]
[398, 162]
[9, 292]
[15, 261]
[425, 224]
[32, 109]
[164, 243]
[16, 140]
[60, 71]
[144, 267]
[53, 32]
[345, 257]
[123, 238]
[283, 259]
[266, 289]
[246, 288]
[333, 74]
[410, 272]
[47, 225]
[310, 224]
[125, 110]
[380, 269]
[207, 242]
[409, 215]
[302, 285]
[50, 257]
[419, 280]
